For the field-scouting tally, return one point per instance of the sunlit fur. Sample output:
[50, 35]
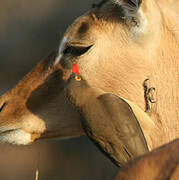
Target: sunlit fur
[123, 54]
[19, 137]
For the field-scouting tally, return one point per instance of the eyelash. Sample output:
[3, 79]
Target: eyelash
[76, 51]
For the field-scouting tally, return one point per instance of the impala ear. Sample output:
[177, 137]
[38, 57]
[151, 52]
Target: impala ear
[127, 8]
[118, 9]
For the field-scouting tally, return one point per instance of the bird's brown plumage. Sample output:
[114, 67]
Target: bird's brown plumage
[108, 120]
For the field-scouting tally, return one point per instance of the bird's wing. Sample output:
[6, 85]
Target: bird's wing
[126, 123]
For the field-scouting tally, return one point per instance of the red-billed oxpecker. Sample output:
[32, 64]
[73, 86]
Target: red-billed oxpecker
[107, 119]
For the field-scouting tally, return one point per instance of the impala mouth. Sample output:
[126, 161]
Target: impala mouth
[16, 136]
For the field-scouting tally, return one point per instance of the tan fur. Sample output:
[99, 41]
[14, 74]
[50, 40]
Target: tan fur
[120, 59]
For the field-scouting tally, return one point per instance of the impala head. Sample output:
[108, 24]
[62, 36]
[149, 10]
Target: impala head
[108, 41]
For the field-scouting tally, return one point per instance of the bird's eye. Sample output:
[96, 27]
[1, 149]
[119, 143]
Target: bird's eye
[76, 50]
[2, 107]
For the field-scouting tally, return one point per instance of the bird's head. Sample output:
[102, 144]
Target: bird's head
[76, 81]
[76, 88]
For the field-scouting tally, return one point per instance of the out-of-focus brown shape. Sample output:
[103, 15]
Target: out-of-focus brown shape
[160, 164]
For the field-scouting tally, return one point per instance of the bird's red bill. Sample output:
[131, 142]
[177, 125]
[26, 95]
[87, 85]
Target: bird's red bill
[76, 71]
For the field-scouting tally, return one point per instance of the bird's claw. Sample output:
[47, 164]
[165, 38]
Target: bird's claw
[147, 95]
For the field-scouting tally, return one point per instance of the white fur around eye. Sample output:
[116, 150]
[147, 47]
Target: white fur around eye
[117, 2]
[142, 27]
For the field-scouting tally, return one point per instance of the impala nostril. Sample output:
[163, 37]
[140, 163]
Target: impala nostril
[3, 106]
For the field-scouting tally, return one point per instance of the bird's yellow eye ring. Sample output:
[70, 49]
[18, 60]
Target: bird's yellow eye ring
[77, 78]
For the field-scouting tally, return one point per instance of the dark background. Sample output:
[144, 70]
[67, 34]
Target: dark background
[28, 31]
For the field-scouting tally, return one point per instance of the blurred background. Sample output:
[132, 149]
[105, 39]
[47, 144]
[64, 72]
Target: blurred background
[28, 31]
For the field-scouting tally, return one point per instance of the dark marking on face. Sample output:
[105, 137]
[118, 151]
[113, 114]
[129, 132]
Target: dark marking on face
[44, 93]
[83, 28]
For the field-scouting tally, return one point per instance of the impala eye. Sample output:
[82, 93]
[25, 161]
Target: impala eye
[75, 50]
[2, 107]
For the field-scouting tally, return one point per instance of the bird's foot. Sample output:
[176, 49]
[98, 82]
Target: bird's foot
[148, 96]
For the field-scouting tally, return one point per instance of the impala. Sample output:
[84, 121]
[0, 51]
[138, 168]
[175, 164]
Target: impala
[118, 44]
